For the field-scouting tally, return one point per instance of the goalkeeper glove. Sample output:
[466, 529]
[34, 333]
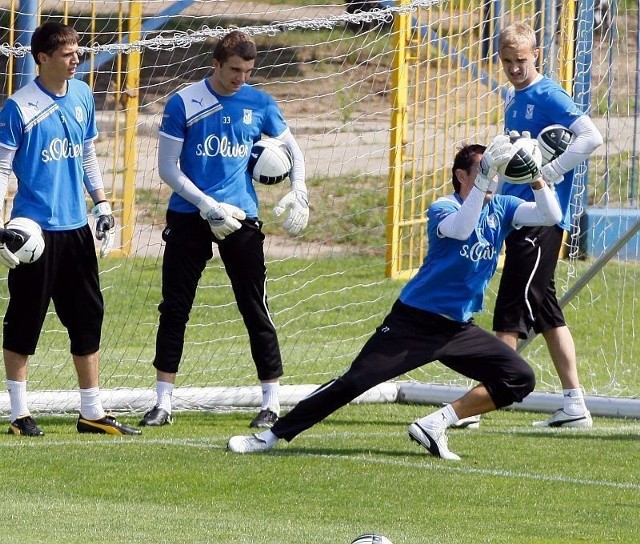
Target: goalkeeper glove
[105, 226]
[222, 218]
[297, 202]
[550, 175]
[7, 258]
[515, 135]
[497, 153]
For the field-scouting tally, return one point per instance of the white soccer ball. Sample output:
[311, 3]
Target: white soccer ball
[553, 142]
[371, 539]
[29, 249]
[524, 165]
[270, 161]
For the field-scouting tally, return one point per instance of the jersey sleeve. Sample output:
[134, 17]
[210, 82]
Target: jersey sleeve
[560, 108]
[11, 126]
[173, 123]
[274, 123]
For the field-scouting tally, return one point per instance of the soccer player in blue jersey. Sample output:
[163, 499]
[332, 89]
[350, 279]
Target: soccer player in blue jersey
[527, 295]
[47, 134]
[433, 316]
[206, 135]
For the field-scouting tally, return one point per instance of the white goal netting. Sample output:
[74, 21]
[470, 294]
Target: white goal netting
[330, 67]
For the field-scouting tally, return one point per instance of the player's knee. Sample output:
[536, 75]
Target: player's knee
[515, 388]
[525, 384]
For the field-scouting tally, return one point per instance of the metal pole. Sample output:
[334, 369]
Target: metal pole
[636, 108]
[26, 23]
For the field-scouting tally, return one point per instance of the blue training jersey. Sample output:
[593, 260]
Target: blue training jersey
[47, 133]
[455, 273]
[218, 133]
[541, 104]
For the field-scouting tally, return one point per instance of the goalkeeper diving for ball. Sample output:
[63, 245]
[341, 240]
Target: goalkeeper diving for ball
[206, 135]
[433, 316]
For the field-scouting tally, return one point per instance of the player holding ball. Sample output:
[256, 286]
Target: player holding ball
[47, 139]
[527, 298]
[207, 133]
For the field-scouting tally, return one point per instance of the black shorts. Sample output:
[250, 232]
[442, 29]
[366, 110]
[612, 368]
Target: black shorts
[527, 294]
[67, 273]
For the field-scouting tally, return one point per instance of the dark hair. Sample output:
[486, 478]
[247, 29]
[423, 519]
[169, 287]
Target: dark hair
[235, 43]
[48, 37]
[464, 160]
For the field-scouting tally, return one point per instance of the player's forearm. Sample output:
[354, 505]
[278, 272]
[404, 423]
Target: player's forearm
[587, 140]
[298, 169]
[6, 163]
[544, 211]
[92, 175]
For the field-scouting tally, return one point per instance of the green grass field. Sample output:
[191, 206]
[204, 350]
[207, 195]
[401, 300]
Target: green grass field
[354, 473]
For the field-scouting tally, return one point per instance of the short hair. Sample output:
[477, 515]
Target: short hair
[517, 34]
[48, 37]
[235, 43]
[464, 160]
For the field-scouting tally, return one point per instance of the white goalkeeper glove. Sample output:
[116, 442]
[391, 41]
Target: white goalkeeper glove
[515, 135]
[222, 218]
[297, 202]
[497, 153]
[7, 258]
[550, 175]
[105, 226]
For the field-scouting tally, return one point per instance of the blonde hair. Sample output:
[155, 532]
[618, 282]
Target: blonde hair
[517, 34]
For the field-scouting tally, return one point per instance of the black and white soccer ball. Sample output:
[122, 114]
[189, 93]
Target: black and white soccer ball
[28, 247]
[525, 162]
[270, 161]
[553, 142]
[371, 539]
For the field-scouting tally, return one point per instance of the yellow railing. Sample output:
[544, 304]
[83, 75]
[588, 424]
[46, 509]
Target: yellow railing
[447, 90]
[119, 178]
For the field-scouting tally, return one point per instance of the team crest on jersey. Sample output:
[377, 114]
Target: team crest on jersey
[79, 114]
[492, 221]
[247, 118]
[529, 113]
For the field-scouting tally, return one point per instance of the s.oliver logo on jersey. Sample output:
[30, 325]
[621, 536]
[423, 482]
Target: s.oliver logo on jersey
[478, 252]
[61, 149]
[215, 146]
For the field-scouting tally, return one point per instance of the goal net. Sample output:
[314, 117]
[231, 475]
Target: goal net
[335, 71]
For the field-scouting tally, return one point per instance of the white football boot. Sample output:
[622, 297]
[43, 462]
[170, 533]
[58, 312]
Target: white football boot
[472, 422]
[560, 418]
[433, 438]
[248, 444]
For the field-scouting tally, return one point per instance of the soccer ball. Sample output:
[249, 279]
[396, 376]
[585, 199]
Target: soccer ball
[30, 247]
[524, 165]
[371, 539]
[270, 161]
[553, 142]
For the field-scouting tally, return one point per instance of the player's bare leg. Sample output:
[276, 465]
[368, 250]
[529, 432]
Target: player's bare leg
[430, 431]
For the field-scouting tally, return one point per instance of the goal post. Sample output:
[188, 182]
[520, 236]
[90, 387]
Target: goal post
[379, 100]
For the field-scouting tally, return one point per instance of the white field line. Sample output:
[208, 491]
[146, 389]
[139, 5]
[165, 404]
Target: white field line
[427, 463]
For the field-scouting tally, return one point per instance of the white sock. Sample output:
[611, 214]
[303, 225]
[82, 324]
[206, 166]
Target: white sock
[574, 401]
[268, 437]
[270, 396]
[18, 399]
[164, 392]
[441, 418]
[90, 403]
